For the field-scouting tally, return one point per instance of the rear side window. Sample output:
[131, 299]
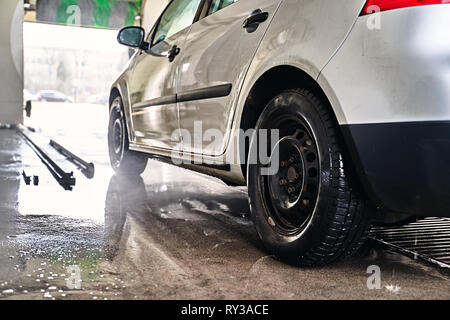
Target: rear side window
[216, 5]
[179, 15]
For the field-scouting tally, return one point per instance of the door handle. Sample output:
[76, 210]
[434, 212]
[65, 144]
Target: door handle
[173, 53]
[254, 19]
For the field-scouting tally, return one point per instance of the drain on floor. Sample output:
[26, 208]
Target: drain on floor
[427, 240]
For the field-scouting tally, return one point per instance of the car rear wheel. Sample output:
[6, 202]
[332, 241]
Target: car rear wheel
[306, 213]
[123, 160]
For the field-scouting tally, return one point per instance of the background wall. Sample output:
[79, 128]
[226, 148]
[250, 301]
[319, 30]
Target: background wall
[11, 61]
[80, 62]
[11, 53]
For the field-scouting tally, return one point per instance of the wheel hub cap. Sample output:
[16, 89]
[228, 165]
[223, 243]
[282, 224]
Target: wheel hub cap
[286, 186]
[117, 136]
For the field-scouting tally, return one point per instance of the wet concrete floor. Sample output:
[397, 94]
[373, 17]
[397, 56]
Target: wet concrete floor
[170, 234]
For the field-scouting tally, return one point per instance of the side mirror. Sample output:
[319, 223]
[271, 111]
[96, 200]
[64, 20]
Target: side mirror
[133, 37]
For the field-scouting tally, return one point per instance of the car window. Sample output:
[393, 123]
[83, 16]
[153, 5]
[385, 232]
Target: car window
[216, 5]
[179, 15]
[150, 34]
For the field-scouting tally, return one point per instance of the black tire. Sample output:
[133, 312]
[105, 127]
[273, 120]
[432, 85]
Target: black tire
[308, 213]
[123, 160]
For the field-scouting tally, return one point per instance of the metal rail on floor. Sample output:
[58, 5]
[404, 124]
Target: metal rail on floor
[427, 240]
[88, 169]
[65, 179]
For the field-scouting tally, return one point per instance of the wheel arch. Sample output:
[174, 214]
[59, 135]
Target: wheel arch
[113, 94]
[120, 90]
[267, 86]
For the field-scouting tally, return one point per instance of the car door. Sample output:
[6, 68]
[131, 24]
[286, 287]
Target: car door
[216, 57]
[152, 85]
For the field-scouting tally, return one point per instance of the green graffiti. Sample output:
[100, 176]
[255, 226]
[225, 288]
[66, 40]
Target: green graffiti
[134, 9]
[102, 12]
[63, 15]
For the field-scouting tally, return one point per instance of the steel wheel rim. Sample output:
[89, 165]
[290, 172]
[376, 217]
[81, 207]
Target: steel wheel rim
[117, 136]
[291, 217]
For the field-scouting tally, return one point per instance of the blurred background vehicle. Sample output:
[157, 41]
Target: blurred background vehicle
[29, 96]
[99, 99]
[53, 96]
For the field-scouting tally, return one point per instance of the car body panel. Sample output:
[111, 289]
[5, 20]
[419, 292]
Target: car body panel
[389, 89]
[154, 77]
[333, 23]
[400, 71]
[218, 51]
[316, 39]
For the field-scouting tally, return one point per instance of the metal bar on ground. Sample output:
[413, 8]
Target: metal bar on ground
[65, 179]
[26, 178]
[88, 169]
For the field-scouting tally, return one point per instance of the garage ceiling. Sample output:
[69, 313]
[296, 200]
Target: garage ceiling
[111, 14]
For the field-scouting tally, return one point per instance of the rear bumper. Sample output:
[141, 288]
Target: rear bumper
[389, 86]
[404, 167]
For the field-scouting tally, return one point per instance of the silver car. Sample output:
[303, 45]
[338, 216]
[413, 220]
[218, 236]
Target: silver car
[349, 101]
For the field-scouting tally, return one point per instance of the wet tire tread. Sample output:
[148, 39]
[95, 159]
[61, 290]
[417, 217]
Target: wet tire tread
[347, 222]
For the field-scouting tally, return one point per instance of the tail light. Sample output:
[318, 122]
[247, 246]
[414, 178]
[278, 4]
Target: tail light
[383, 5]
